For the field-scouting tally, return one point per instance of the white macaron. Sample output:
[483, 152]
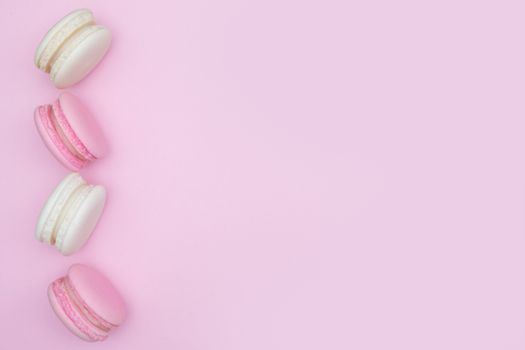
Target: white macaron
[71, 214]
[72, 48]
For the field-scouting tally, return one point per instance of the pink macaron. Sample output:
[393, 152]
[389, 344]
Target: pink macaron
[87, 303]
[70, 132]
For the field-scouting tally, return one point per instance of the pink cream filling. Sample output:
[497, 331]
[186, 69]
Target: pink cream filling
[78, 312]
[79, 147]
[46, 117]
[62, 136]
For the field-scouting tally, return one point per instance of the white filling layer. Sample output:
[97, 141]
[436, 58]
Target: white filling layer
[62, 198]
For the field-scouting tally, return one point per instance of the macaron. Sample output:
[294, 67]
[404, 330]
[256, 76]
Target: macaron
[70, 132]
[70, 214]
[87, 303]
[72, 48]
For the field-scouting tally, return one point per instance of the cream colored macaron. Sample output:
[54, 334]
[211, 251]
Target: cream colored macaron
[72, 48]
[70, 214]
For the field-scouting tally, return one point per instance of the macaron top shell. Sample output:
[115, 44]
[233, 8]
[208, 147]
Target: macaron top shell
[81, 57]
[81, 221]
[84, 124]
[98, 293]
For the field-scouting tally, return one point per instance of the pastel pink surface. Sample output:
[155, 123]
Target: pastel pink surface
[283, 175]
[98, 293]
[84, 124]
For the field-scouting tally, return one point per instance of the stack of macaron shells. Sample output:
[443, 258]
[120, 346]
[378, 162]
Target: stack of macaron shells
[84, 300]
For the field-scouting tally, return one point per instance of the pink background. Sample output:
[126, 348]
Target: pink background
[284, 174]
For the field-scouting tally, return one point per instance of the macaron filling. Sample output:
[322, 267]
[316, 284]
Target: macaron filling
[63, 136]
[62, 38]
[47, 230]
[70, 137]
[67, 212]
[80, 314]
